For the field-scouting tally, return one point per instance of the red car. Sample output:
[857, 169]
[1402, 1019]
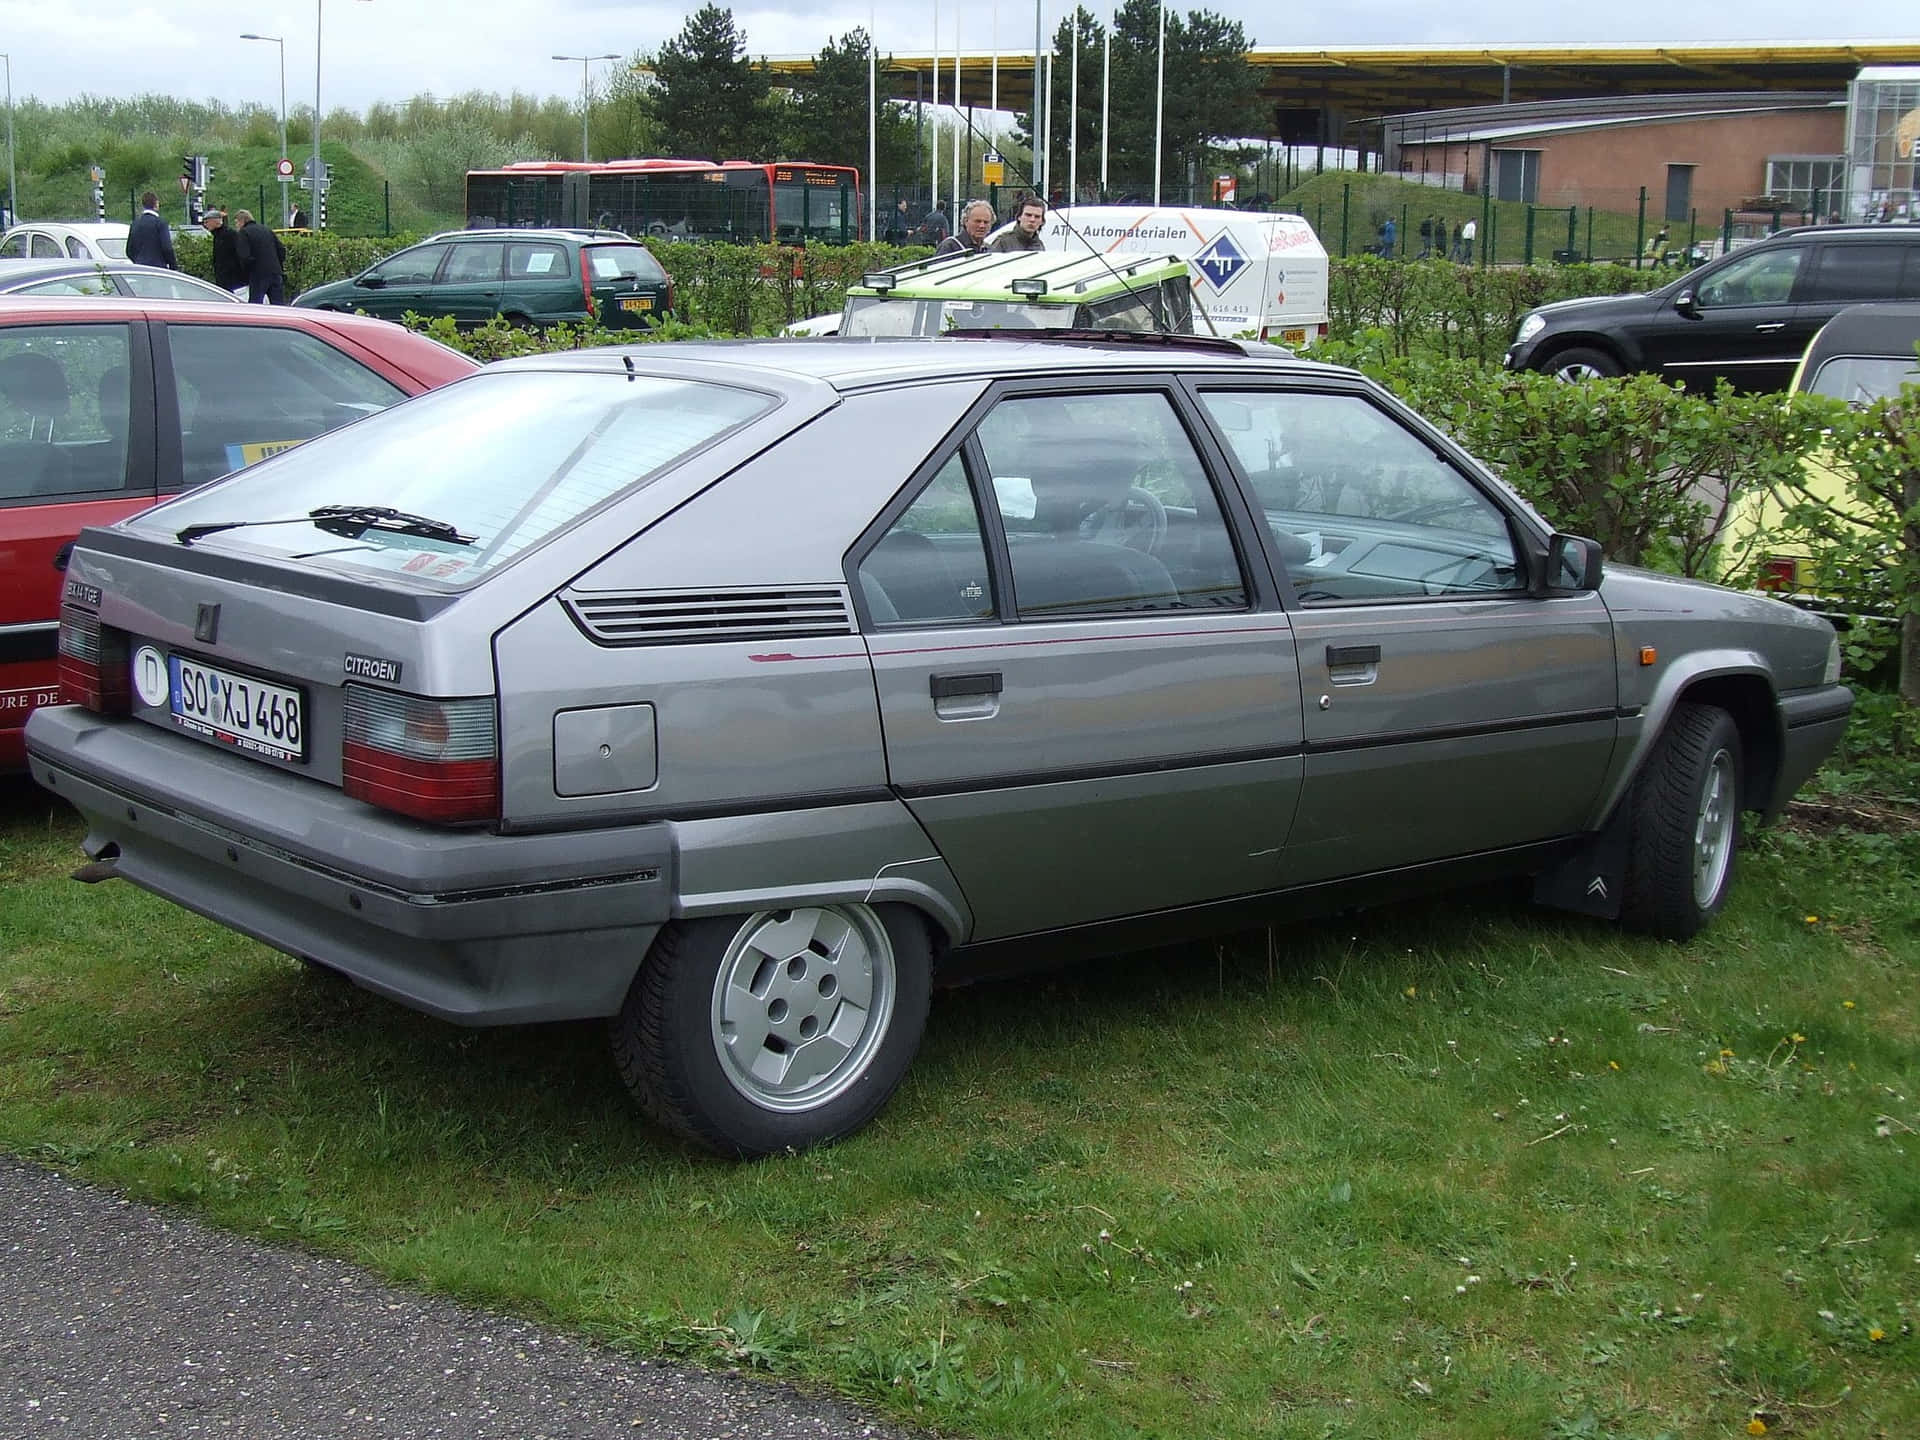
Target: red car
[107, 405]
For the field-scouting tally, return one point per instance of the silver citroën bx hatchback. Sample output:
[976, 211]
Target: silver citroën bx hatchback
[738, 692]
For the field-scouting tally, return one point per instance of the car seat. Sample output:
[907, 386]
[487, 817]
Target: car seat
[1059, 570]
[36, 386]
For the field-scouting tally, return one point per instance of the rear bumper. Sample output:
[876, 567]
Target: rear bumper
[1814, 721]
[473, 927]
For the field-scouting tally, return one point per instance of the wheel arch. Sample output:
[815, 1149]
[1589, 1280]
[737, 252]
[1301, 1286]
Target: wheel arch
[1735, 681]
[1554, 346]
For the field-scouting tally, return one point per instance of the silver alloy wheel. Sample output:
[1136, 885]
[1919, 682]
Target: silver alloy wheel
[801, 1003]
[1572, 374]
[1715, 819]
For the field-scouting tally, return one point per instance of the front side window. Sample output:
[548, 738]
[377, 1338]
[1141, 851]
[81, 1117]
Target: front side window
[249, 391]
[1765, 278]
[65, 410]
[506, 459]
[931, 565]
[92, 284]
[1360, 508]
[411, 267]
[1107, 507]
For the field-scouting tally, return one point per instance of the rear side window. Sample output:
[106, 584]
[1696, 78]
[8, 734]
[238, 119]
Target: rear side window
[473, 263]
[530, 260]
[15, 248]
[1847, 273]
[65, 409]
[77, 248]
[506, 459]
[45, 247]
[93, 284]
[622, 262]
[931, 565]
[245, 392]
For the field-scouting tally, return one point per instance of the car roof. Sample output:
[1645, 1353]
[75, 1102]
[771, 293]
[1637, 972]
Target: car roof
[1070, 278]
[78, 309]
[1888, 328]
[529, 232]
[1892, 234]
[88, 229]
[855, 363]
[20, 270]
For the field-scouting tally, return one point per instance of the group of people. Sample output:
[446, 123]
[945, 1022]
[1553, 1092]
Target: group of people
[1436, 241]
[976, 223]
[248, 258]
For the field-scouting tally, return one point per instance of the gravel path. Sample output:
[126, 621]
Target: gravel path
[121, 1321]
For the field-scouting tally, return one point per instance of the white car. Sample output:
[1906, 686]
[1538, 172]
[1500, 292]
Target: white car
[65, 240]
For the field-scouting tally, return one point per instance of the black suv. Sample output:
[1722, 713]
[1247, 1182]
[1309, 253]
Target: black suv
[1746, 318]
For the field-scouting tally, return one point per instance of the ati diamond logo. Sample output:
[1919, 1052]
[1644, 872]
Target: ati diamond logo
[1219, 260]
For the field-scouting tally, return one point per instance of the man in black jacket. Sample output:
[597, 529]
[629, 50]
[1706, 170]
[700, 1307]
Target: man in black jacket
[229, 254]
[149, 241]
[266, 259]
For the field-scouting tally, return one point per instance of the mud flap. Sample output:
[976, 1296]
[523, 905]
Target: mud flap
[1590, 880]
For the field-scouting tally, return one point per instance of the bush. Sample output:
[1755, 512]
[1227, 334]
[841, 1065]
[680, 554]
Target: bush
[1646, 469]
[312, 259]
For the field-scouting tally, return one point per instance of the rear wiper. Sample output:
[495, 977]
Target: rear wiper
[352, 521]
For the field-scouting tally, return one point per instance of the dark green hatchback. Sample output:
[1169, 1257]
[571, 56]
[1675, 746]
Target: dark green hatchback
[536, 277]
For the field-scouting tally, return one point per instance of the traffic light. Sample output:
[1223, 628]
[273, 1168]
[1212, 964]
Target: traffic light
[189, 171]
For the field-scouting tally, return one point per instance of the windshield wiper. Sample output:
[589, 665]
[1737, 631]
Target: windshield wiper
[352, 521]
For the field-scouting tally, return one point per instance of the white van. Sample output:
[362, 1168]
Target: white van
[1252, 272]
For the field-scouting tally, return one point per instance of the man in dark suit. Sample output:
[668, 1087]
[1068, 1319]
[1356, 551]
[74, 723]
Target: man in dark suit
[266, 260]
[149, 241]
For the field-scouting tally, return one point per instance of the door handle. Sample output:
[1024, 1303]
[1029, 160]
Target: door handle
[1771, 326]
[964, 687]
[1339, 655]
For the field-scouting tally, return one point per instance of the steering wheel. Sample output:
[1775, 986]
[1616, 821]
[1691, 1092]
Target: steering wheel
[1138, 520]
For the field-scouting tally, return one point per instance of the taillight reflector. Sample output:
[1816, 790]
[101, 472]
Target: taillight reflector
[93, 664]
[435, 760]
[1779, 572]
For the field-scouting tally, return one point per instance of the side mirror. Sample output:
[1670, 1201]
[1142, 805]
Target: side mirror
[371, 282]
[1573, 564]
[1685, 303]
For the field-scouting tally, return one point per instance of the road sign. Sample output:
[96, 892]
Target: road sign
[186, 184]
[993, 170]
[96, 174]
[285, 168]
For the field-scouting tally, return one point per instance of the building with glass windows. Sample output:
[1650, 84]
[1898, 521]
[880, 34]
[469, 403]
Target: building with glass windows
[1883, 144]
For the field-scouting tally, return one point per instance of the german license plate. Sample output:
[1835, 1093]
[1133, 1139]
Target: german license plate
[636, 302]
[239, 710]
[1293, 337]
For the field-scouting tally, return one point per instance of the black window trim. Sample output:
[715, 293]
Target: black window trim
[1529, 544]
[139, 473]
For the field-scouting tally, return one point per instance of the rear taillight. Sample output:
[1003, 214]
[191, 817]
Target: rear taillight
[669, 296]
[586, 284]
[93, 664]
[435, 760]
[1779, 572]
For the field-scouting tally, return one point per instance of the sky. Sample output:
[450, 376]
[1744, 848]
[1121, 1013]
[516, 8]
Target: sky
[394, 49]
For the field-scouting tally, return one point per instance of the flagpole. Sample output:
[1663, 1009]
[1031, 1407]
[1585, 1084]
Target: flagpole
[1073, 114]
[873, 134]
[1038, 170]
[993, 103]
[956, 119]
[1106, 92]
[1160, 104]
[936, 108]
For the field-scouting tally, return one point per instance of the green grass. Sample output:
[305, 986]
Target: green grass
[1458, 1168]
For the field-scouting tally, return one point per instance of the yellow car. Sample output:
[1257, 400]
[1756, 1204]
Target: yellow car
[1865, 353]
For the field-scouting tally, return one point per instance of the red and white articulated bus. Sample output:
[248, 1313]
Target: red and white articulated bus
[790, 202]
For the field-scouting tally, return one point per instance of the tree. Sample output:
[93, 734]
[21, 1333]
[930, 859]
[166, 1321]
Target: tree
[707, 99]
[1212, 93]
[827, 119]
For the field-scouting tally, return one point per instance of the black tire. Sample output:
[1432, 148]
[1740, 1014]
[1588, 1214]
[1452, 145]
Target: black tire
[1686, 820]
[1582, 363]
[850, 985]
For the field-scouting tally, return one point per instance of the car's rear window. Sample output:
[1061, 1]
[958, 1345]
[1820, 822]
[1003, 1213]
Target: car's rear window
[506, 459]
[112, 249]
[622, 262]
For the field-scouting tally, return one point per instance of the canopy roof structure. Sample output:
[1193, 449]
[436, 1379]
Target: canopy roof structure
[1362, 82]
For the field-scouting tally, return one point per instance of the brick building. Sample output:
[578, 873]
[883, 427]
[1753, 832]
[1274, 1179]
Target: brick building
[1695, 155]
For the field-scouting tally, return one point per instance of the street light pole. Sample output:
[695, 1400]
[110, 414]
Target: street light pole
[286, 214]
[586, 105]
